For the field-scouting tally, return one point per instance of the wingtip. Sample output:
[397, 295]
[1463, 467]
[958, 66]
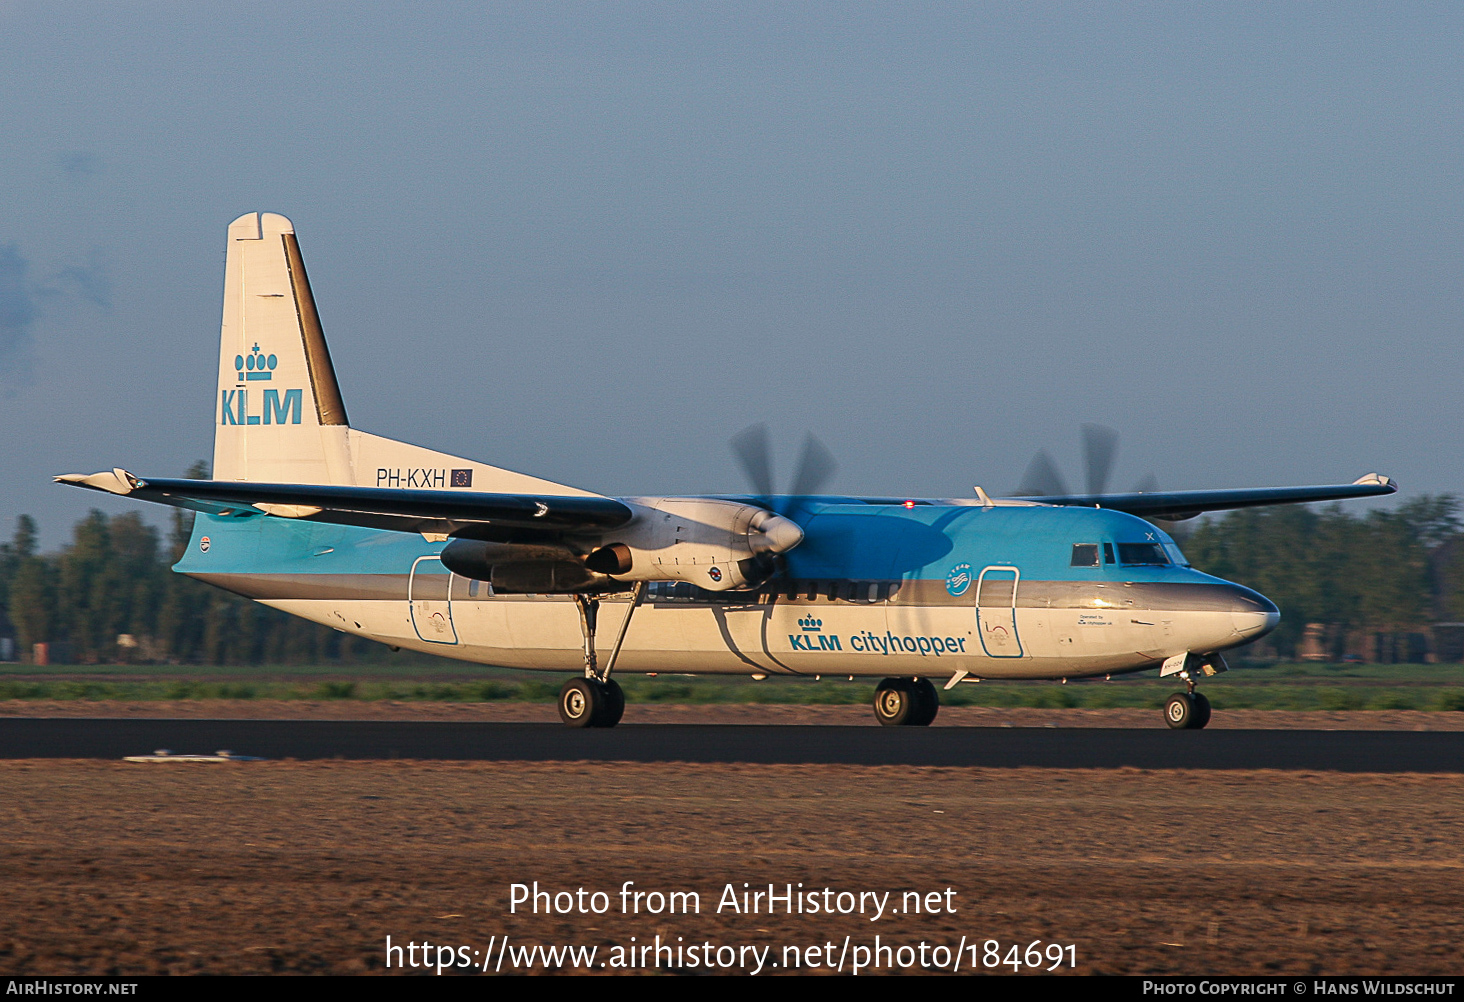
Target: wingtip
[1380, 480]
[114, 481]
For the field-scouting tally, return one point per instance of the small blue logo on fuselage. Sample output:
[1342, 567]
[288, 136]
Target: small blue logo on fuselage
[958, 581]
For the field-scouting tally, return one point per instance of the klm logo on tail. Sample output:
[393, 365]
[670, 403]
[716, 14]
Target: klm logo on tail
[234, 404]
[256, 366]
[235, 407]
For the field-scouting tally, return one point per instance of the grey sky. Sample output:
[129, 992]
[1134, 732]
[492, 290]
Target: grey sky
[593, 242]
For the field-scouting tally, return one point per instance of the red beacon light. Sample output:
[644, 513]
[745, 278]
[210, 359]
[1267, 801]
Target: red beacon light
[909, 504]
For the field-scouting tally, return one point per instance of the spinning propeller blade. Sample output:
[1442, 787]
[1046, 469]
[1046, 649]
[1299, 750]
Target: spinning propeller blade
[1100, 450]
[1041, 478]
[816, 467]
[753, 448]
[1100, 446]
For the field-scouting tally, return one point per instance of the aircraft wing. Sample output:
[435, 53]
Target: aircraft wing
[1174, 506]
[372, 507]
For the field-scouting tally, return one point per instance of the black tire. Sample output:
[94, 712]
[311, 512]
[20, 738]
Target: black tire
[1179, 711]
[927, 702]
[895, 704]
[581, 702]
[1202, 712]
[614, 706]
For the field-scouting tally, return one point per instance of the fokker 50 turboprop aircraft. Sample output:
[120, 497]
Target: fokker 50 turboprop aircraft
[432, 552]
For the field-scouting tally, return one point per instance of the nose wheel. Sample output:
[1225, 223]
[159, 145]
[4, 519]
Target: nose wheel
[1187, 711]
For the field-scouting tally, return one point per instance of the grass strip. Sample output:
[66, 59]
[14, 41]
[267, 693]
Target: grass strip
[1147, 693]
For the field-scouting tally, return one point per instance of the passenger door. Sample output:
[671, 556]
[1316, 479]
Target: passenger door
[429, 595]
[996, 611]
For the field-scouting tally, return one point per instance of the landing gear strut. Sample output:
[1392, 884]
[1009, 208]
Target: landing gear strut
[906, 702]
[597, 699]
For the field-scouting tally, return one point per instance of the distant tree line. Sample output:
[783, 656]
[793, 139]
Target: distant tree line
[110, 596]
[1376, 585]
[1373, 585]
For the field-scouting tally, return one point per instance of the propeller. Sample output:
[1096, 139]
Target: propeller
[773, 533]
[1100, 446]
[1042, 478]
[1100, 449]
[753, 448]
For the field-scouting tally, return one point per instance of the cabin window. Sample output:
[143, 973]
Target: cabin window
[1142, 553]
[833, 591]
[1085, 555]
[873, 592]
[473, 589]
[1108, 553]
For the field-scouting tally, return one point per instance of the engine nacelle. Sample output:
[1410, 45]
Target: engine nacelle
[536, 568]
[713, 544]
[716, 545]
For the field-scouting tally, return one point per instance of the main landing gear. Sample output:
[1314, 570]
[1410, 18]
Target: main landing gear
[597, 699]
[589, 702]
[1187, 711]
[906, 702]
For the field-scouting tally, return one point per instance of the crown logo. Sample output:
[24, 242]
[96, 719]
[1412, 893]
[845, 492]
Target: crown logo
[810, 625]
[256, 365]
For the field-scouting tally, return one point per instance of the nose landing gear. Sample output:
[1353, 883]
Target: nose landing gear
[906, 702]
[1187, 711]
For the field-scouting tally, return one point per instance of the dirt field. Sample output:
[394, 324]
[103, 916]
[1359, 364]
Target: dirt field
[281, 866]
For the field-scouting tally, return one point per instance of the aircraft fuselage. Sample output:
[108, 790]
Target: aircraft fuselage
[874, 590]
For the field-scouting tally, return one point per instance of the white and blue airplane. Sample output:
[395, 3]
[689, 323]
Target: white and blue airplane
[436, 553]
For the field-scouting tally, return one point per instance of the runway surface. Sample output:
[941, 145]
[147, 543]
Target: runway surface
[1074, 748]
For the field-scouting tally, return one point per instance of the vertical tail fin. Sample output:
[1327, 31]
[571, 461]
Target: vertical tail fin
[279, 417]
[279, 413]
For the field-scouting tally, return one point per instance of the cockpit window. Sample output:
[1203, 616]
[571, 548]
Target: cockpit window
[1142, 553]
[1085, 555]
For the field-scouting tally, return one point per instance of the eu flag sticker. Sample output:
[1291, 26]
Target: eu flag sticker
[462, 478]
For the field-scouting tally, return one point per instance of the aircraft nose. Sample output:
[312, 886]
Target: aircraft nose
[1252, 614]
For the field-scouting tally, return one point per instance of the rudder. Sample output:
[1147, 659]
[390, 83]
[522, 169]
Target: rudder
[279, 416]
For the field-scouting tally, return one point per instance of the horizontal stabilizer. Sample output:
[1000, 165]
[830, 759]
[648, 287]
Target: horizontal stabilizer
[1174, 506]
[372, 507]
